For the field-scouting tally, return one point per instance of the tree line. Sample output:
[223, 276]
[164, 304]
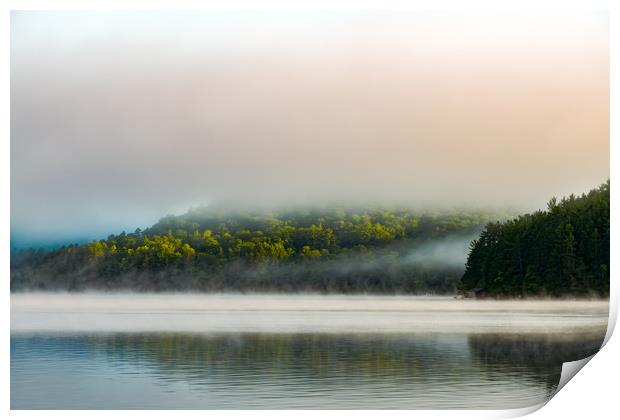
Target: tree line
[563, 251]
[213, 249]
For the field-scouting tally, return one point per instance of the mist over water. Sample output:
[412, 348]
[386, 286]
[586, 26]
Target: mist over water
[232, 351]
[116, 312]
[119, 118]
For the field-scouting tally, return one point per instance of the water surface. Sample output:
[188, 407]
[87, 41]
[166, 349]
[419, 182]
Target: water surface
[234, 351]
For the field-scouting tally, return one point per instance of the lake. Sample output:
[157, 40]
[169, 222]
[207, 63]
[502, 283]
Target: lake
[192, 351]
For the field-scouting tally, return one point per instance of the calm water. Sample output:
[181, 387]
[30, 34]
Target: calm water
[123, 352]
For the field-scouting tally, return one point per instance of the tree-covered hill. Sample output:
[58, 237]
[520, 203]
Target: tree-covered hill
[322, 250]
[563, 251]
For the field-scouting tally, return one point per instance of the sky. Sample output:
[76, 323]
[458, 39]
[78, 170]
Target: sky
[119, 118]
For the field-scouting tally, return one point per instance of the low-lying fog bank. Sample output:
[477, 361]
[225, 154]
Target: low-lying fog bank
[213, 313]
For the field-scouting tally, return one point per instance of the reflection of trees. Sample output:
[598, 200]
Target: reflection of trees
[539, 355]
[417, 358]
[335, 370]
[316, 355]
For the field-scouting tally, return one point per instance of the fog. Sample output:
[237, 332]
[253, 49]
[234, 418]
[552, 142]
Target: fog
[446, 254]
[120, 118]
[91, 312]
[450, 251]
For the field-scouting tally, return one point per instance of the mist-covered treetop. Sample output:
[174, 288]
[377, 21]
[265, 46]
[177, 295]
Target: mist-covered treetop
[209, 248]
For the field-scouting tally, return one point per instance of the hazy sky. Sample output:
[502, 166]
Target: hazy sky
[120, 118]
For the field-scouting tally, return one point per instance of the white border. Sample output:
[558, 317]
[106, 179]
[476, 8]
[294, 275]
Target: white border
[592, 394]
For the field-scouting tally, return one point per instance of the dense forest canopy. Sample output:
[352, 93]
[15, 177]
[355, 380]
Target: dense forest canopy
[561, 251]
[321, 250]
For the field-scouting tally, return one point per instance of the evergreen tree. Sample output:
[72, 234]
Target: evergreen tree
[561, 251]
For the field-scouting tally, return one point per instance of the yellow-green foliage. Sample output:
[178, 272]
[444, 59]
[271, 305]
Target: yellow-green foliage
[214, 238]
[208, 242]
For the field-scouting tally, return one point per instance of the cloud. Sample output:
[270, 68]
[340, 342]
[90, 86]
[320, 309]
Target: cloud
[119, 118]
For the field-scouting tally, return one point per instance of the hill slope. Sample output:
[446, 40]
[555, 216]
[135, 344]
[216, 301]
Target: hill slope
[323, 250]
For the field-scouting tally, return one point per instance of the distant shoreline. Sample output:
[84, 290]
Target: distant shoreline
[356, 294]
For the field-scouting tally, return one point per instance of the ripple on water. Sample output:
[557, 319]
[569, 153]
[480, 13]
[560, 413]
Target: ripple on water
[258, 370]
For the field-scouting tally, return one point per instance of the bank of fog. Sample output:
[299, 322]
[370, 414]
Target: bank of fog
[424, 267]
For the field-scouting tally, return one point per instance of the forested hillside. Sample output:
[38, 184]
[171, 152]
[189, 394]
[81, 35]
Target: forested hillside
[563, 251]
[323, 250]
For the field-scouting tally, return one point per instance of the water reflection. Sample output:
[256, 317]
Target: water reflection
[259, 370]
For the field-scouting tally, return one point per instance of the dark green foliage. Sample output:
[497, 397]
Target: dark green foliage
[323, 250]
[561, 251]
